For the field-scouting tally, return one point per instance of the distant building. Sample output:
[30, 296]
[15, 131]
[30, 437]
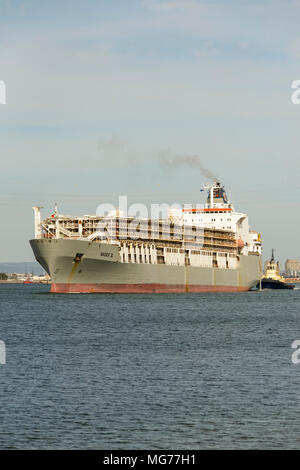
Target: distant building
[292, 268]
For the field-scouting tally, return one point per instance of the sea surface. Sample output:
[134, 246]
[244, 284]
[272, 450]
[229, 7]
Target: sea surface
[164, 371]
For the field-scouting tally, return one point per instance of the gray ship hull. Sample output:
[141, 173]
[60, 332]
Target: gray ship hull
[90, 267]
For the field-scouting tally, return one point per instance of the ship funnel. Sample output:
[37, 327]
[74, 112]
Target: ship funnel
[216, 196]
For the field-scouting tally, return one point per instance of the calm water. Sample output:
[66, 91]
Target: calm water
[194, 371]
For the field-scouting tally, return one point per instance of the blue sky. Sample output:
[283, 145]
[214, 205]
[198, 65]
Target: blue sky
[97, 89]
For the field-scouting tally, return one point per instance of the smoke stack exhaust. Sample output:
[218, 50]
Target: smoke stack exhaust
[192, 161]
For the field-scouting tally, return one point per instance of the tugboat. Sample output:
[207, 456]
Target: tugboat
[272, 278]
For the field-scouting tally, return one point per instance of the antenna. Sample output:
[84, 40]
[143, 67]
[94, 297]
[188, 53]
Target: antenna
[272, 257]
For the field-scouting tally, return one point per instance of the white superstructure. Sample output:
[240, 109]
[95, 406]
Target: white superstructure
[217, 213]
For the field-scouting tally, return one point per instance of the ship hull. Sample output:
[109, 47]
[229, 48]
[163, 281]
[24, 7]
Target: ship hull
[81, 266]
[140, 288]
[268, 283]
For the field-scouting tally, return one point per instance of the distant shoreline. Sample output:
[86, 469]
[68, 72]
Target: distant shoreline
[10, 282]
[14, 281]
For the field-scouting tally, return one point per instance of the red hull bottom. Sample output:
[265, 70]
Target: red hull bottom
[140, 288]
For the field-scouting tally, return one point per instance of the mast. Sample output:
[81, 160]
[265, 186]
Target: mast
[272, 257]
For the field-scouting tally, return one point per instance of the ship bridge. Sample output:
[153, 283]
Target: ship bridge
[218, 213]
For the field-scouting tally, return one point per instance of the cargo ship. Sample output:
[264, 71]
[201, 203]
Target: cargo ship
[206, 248]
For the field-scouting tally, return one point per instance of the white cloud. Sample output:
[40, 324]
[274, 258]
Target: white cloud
[169, 5]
